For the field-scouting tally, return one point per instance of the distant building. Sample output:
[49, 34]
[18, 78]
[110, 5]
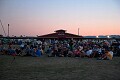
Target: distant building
[91, 37]
[60, 34]
[115, 36]
[103, 37]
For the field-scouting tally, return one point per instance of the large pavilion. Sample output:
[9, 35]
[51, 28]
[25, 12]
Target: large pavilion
[60, 34]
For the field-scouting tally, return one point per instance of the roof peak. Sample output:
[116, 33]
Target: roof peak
[60, 30]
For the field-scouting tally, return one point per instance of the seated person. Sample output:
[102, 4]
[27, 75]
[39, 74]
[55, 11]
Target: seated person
[54, 53]
[107, 56]
[89, 53]
[18, 51]
[82, 53]
[38, 53]
[11, 51]
[65, 52]
[70, 53]
[33, 52]
[76, 53]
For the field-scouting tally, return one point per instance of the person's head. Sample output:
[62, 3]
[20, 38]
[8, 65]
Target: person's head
[106, 50]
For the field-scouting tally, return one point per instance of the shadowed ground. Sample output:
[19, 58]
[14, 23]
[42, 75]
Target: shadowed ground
[58, 68]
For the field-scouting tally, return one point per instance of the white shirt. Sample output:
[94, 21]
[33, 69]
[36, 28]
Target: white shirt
[89, 52]
[22, 45]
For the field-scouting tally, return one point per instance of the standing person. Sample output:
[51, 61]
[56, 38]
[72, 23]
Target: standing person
[13, 53]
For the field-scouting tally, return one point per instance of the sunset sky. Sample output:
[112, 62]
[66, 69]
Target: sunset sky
[39, 17]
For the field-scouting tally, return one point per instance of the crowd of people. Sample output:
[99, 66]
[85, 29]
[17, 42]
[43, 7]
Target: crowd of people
[91, 48]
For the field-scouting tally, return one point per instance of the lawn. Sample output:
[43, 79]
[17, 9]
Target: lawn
[58, 68]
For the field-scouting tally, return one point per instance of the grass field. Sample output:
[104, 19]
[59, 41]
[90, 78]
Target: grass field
[58, 68]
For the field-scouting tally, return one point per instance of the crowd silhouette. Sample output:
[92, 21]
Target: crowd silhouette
[91, 48]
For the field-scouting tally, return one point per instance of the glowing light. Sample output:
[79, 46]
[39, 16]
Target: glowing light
[108, 36]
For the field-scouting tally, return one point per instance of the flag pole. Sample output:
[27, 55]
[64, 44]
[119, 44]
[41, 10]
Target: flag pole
[78, 31]
[8, 30]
